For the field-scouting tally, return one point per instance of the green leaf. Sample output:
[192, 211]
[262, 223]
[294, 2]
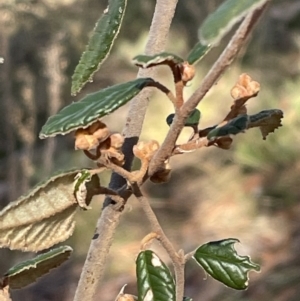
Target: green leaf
[221, 261]
[100, 44]
[92, 107]
[29, 271]
[187, 299]
[217, 24]
[198, 53]
[154, 279]
[233, 127]
[45, 216]
[268, 121]
[164, 58]
[193, 119]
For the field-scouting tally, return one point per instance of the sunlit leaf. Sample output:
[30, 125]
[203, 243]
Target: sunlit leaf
[92, 107]
[154, 279]
[217, 24]
[268, 121]
[193, 119]
[221, 261]
[100, 44]
[198, 53]
[45, 216]
[164, 58]
[29, 271]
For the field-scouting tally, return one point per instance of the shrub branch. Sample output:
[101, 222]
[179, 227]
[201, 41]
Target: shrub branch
[108, 221]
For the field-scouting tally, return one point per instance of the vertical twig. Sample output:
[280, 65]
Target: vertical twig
[54, 71]
[10, 144]
[176, 258]
[97, 255]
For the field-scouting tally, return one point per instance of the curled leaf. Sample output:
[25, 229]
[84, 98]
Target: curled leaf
[45, 216]
[221, 261]
[164, 58]
[29, 271]
[268, 121]
[100, 44]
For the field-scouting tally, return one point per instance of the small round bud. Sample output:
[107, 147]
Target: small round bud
[162, 176]
[145, 150]
[188, 72]
[99, 130]
[85, 141]
[116, 140]
[90, 137]
[224, 142]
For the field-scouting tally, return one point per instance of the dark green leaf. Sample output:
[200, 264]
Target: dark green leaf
[92, 107]
[233, 127]
[221, 261]
[155, 281]
[187, 299]
[45, 216]
[224, 18]
[29, 271]
[268, 121]
[100, 44]
[164, 58]
[193, 119]
[197, 53]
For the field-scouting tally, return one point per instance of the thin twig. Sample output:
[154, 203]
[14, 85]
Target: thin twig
[213, 75]
[163, 89]
[176, 258]
[97, 255]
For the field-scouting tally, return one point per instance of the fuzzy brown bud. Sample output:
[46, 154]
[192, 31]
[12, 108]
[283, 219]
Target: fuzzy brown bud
[99, 130]
[145, 150]
[83, 140]
[224, 142]
[245, 87]
[90, 137]
[116, 140]
[188, 72]
[162, 176]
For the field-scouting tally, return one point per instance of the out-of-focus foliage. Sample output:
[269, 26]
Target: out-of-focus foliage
[250, 192]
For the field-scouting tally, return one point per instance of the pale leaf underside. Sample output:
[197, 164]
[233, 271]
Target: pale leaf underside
[29, 271]
[42, 218]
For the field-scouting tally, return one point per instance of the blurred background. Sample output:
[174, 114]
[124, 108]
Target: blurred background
[250, 192]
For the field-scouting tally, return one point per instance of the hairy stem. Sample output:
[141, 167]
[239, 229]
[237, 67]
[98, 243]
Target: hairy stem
[177, 258]
[225, 59]
[97, 255]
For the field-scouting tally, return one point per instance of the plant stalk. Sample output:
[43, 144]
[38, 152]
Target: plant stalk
[225, 59]
[109, 219]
